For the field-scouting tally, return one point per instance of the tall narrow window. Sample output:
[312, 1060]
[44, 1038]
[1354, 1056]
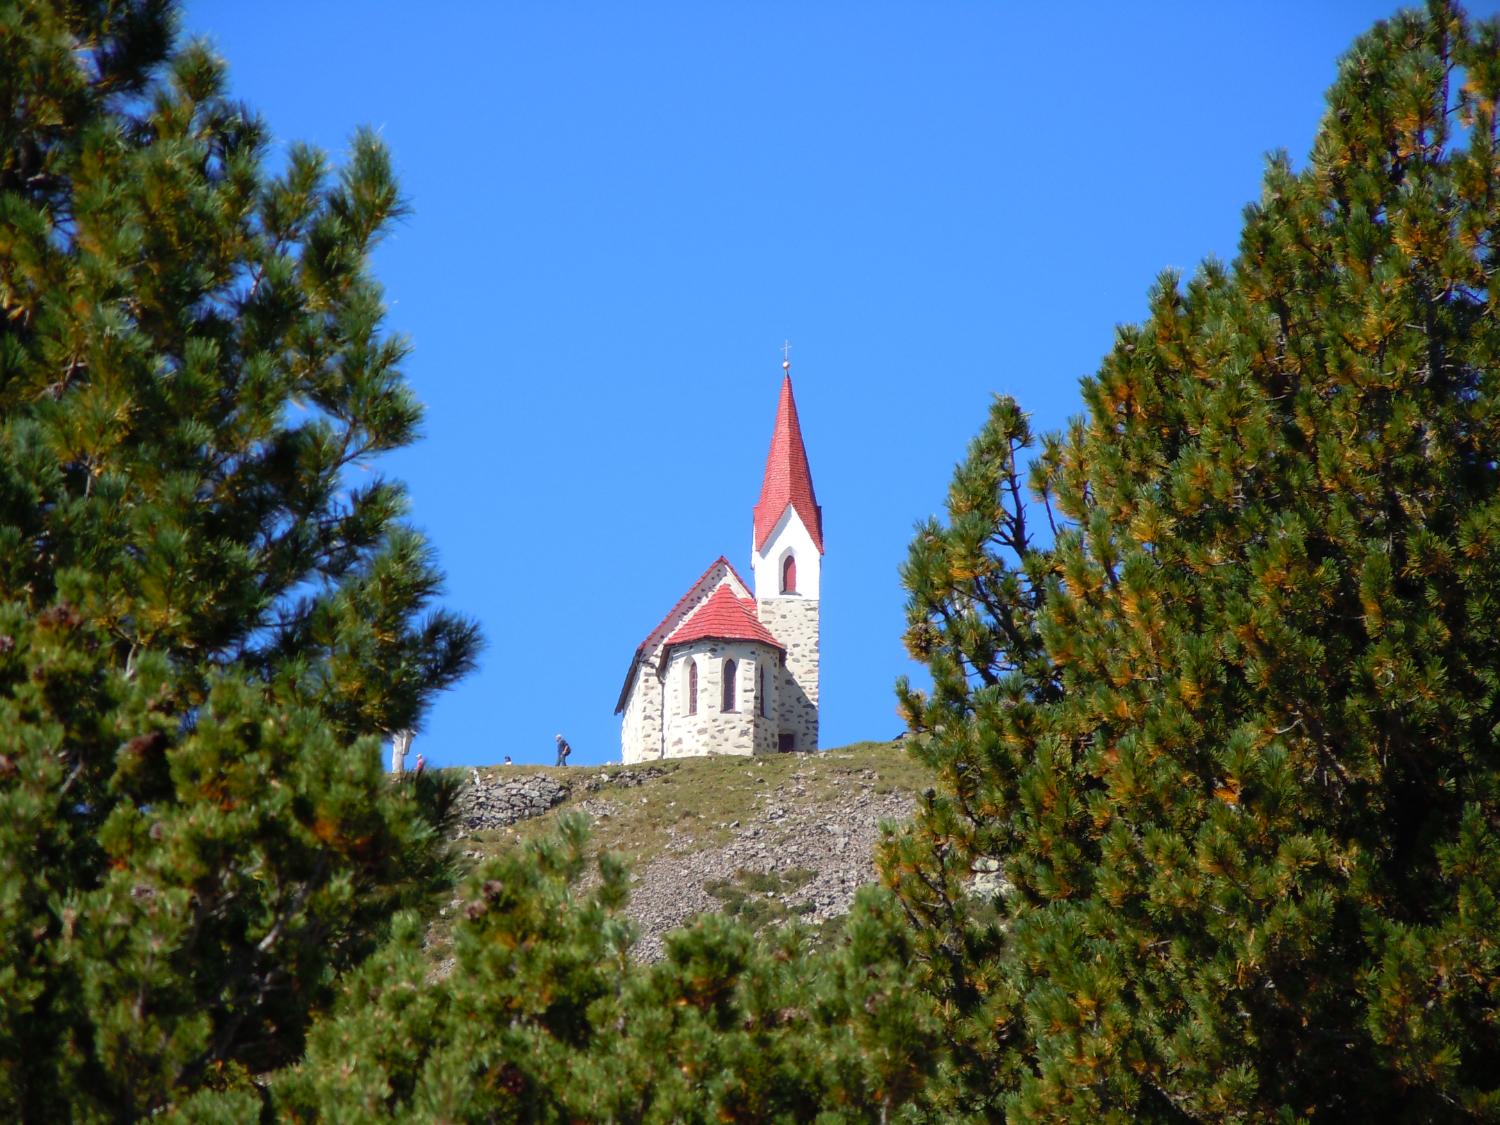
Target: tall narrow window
[692, 686]
[789, 575]
[730, 671]
[760, 687]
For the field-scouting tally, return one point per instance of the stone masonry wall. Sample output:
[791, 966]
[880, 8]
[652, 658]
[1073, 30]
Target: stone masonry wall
[640, 726]
[631, 735]
[710, 730]
[794, 622]
[767, 672]
[485, 803]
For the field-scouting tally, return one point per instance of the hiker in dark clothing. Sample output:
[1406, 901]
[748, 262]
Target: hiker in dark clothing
[563, 750]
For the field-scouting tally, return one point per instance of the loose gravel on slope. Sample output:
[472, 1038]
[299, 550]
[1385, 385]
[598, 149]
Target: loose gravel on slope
[835, 840]
[776, 837]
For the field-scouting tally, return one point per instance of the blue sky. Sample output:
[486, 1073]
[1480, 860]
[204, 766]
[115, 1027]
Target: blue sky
[621, 211]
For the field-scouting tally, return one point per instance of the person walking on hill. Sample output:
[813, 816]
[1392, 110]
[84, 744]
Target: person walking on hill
[563, 750]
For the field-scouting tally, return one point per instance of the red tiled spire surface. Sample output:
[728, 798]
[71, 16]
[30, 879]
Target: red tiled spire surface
[788, 480]
[723, 617]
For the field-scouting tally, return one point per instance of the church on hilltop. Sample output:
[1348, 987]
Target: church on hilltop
[731, 670]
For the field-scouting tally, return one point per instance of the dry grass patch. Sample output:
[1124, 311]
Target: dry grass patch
[698, 803]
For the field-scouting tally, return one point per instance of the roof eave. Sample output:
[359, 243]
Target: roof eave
[635, 663]
[668, 647]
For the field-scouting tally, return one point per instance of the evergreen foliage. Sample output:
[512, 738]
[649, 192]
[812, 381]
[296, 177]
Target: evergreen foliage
[1230, 726]
[545, 1017]
[1226, 724]
[203, 627]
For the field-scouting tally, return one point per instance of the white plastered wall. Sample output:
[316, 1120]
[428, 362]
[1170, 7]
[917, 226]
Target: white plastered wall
[790, 535]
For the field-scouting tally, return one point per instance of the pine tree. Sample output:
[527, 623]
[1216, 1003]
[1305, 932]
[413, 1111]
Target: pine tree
[1231, 734]
[546, 1016]
[204, 625]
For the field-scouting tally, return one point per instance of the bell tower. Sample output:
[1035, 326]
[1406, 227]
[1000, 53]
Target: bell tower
[786, 558]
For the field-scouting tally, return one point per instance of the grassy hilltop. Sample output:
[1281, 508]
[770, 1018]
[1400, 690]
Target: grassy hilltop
[764, 839]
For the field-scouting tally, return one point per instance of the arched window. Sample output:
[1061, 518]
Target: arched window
[692, 686]
[789, 575]
[730, 671]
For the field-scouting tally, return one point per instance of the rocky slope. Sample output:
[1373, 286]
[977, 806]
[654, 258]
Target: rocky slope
[766, 839]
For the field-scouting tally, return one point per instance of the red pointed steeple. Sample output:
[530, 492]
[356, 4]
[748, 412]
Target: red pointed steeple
[788, 480]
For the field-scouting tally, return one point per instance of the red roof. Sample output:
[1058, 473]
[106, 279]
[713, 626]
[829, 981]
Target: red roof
[788, 480]
[724, 617]
[695, 590]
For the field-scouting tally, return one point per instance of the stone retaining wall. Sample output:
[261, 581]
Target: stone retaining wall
[500, 800]
[494, 802]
